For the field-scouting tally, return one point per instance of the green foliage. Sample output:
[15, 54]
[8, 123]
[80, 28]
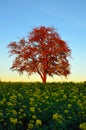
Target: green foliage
[38, 106]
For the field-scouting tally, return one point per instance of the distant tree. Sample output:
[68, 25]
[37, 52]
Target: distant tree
[43, 52]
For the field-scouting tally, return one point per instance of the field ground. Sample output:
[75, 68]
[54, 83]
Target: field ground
[38, 106]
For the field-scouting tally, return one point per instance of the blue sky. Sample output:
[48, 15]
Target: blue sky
[19, 17]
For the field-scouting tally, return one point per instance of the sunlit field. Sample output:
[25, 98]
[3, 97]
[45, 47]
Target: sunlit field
[38, 106]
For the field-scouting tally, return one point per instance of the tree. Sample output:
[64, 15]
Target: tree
[43, 52]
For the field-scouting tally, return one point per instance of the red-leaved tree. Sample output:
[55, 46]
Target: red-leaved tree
[43, 52]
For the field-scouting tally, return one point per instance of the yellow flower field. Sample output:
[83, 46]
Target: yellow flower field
[38, 106]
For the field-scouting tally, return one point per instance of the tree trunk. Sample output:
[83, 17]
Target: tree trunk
[44, 78]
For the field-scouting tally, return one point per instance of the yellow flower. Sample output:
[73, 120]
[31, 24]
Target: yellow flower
[69, 117]
[62, 91]
[38, 122]
[14, 112]
[57, 100]
[64, 97]
[66, 111]
[39, 109]
[20, 122]
[13, 97]
[82, 126]
[75, 97]
[69, 106]
[55, 116]
[4, 99]
[19, 95]
[46, 97]
[24, 114]
[13, 120]
[2, 102]
[58, 118]
[34, 116]
[31, 121]
[21, 110]
[79, 103]
[32, 109]
[31, 99]
[1, 114]
[9, 104]
[23, 106]
[30, 126]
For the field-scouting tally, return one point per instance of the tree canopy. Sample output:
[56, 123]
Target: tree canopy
[43, 52]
